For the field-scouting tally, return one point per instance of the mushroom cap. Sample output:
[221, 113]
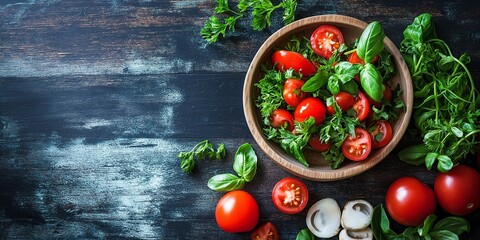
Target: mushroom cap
[365, 234]
[323, 218]
[357, 215]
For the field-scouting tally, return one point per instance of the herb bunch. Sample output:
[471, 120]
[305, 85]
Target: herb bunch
[261, 11]
[200, 151]
[445, 99]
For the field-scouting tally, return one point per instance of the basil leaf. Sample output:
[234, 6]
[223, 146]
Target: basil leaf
[381, 225]
[333, 85]
[294, 149]
[413, 32]
[430, 159]
[425, 22]
[371, 81]
[443, 235]
[444, 163]
[245, 162]
[319, 80]
[427, 225]
[350, 87]
[414, 155]
[457, 225]
[305, 234]
[225, 182]
[371, 42]
[345, 71]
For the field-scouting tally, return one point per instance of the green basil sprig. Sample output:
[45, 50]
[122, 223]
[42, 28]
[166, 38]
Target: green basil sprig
[372, 82]
[305, 234]
[371, 42]
[446, 228]
[202, 150]
[245, 165]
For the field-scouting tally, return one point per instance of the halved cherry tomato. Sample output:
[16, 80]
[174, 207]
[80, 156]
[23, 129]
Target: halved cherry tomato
[387, 95]
[280, 117]
[409, 201]
[237, 211]
[361, 106]
[326, 39]
[344, 100]
[310, 107]
[382, 134]
[358, 148]
[285, 60]
[290, 195]
[267, 231]
[316, 143]
[458, 190]
[355, 59]
[292, 91]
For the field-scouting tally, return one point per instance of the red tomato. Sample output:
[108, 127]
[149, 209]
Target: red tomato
[361, 106]
[344, 100]
[237, 211]
[387, 95]
[458, 191]
[292, 91]
[290, 195]
[285, 60]
[280, 117]
[355, 59]
[267, 231]
[326, 39]
[409, 201]
[358, 148]
[382, 134]
[310, 107]
[316, 143]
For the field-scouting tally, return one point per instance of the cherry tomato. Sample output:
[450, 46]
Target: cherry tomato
[458, 191]
[237, 211]
[409, 201]
[285, 60]
[280, 117]
[358, 148]
[316, 143]
[387, 95]
[310, 107]
[382, 134]
[344, 100]
[267, 231]
[361, 106]
[292, 91]
[355, 59]
[290, 195]
[326, 39]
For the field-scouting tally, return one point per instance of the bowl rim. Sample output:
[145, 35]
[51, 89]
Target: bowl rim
[295, 167]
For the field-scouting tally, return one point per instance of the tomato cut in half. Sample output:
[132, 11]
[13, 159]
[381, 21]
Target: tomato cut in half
[357, 148]
[344, 101]
[458, 190]
[316, 143]
[326, 39]
[310, 107]
[381, 134]
[280, 118]
[361, 106]
[237, 211]
[266, 231]
[285, 60]
[292, 92]
[290, 195]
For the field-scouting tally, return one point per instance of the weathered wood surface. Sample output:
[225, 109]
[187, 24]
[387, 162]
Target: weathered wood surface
[98, 97]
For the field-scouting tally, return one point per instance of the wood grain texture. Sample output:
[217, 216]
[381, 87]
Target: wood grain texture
[98, 97]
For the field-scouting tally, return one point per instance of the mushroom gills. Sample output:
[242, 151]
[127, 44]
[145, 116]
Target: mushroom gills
[323, 218]
[356, 215]
[365, 234]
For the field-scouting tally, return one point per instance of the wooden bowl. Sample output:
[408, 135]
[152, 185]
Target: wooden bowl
[319, 169]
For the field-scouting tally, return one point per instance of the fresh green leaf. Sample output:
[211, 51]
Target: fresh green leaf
[443, 235]
[372, 82]
[457, 225]
[305, 234]
[381, 225]
[371, 42]
[444, 163]
[319, 80]
[345, 71]
[427, 225]
[245, 162]
[225, 182]
[200, 151]
[414, 155]
[430, 159]
[350, 87]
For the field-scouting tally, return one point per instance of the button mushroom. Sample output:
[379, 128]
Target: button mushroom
[365, 234]
[323, 218]
[357, 215]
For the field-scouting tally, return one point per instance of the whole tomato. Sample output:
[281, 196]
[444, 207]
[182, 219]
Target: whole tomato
[292, 92]
[344, 101]
[280, 117]
[310, 107]
[237, 211]
[458, 191]
[409, 201]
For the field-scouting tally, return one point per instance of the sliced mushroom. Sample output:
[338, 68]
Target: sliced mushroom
[357, 215]
[323, 218]
[365, 234]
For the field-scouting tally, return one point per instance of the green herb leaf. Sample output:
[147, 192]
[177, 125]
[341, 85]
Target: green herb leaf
[349, 87]
[345, 71]
[457, 225]
[371, 42]
[443, 235]
[444, 163]
[200, 151]
[414, 155]
[372, 82]
[427, 225]
[305, 234]
[430, 159]
[245, 162]
[319, 80]
[225, 182]
[381, 225]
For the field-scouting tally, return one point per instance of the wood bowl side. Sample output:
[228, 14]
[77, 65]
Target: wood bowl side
[319, 169]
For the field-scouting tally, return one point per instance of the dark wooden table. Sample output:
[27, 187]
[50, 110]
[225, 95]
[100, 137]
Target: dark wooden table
[98, 97]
